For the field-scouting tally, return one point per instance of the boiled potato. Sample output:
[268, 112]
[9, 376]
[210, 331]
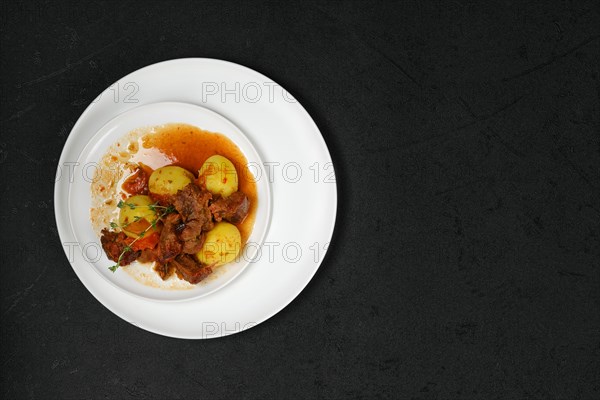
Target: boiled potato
[169, 180]
[135, 215]
[221, 246]
[219, 176]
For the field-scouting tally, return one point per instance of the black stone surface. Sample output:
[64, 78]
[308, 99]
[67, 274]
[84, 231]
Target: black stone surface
[465, 264]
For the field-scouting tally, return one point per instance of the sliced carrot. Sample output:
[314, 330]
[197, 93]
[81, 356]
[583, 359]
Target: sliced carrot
[149, 240]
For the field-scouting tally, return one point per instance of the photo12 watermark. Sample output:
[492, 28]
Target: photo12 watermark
[272, 171]
[248, 92]
[272, 252]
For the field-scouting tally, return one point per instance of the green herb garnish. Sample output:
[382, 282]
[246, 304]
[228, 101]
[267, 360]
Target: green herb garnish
[127, 248]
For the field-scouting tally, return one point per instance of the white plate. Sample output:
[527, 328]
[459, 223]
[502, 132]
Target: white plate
[297, 166]
[149, 116]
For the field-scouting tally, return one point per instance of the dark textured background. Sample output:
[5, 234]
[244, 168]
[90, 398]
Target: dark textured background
[466, 255]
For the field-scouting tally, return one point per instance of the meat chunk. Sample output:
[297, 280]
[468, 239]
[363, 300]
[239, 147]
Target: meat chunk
[137, 183]
[234, 208]
[169, 244]
[164, 270]
[188, 268]
[192, 237]
[114, 244]
[149, 255]
[192, 203]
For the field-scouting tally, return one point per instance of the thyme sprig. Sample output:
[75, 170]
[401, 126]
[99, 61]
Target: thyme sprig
[153, 206]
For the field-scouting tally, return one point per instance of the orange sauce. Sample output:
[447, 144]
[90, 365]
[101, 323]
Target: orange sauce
[188, 147]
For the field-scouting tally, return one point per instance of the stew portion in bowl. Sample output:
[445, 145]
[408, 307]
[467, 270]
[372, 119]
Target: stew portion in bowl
[179, 199]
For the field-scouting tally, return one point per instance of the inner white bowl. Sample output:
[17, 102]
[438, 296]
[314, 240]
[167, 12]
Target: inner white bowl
[147, 116]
